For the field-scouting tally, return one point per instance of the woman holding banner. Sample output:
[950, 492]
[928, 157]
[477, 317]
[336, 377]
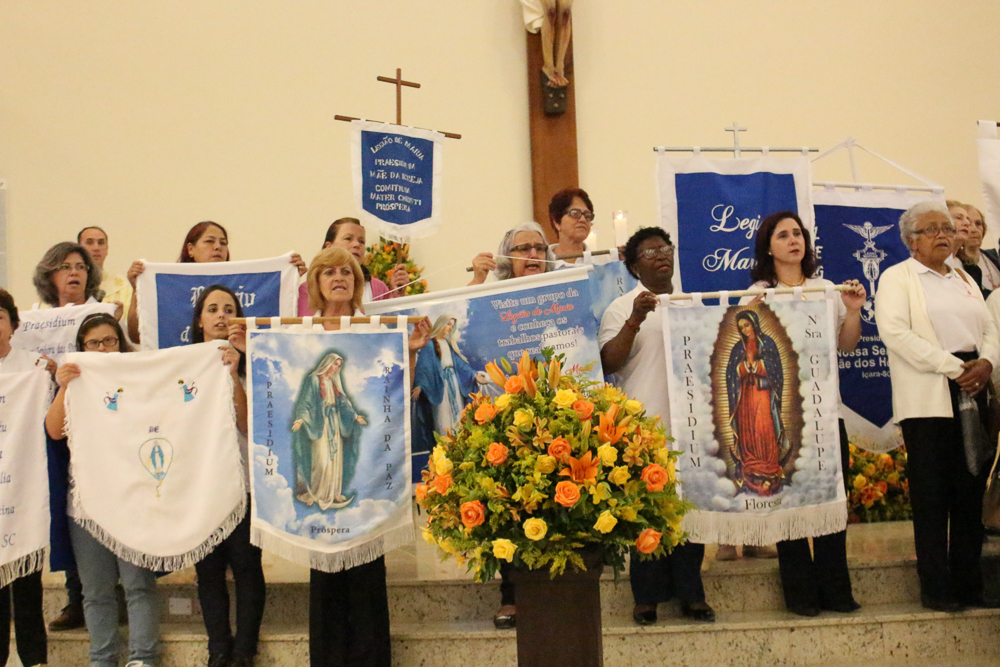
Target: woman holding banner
[347, 233]
[99, 568]
[942, 345]
[216, 306]
[205, 242]
[785, 258]
[523, 252]
[67, 276]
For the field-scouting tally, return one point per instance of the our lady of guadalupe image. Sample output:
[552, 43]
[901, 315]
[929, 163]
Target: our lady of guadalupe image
[326, 435]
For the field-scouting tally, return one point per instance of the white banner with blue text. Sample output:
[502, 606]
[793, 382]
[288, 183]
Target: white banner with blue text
[397, 178]
[167, 294]
[52, 331]
[753, 406]
[155, 464]
[712, 209]
[330, 439]
[24, 481]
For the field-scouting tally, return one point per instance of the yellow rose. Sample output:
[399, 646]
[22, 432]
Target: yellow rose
[524, 418]
[605, 522]
[633, 406]
[619, 475]
[535, 529]
[860, 482]
[545, 464]
[504, 549]
[503, 401]
[608, 454]
[629, 513]
[442, 465]
[564, 399]
[662, 456]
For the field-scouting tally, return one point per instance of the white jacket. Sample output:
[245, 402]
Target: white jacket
[919, 367]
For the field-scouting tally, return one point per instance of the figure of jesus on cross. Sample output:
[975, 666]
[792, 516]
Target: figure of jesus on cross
[557, 28]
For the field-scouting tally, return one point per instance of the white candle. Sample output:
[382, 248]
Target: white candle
[620, 221]
[591, 240]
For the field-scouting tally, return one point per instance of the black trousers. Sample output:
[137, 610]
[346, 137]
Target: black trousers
[29, 624]
[947, 504]
[818, 579]
[74, 587]
[675, 575]
[243, 558]
[349, 617]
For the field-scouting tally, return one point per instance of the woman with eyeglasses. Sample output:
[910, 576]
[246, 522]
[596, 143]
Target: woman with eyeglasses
[523, 252]
[67, 276]
[572, 215]
[942, 346]
[100, 570]
[983, 265]
[784, 257]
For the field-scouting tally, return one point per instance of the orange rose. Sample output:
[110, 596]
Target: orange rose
[485, 413]
[560, 449]
[421, 492]
[655, 476]
[567, 494]
[473, 514]
[496, 454]
[514, 384]
[442, 483]
[647, 541]
[584, 409]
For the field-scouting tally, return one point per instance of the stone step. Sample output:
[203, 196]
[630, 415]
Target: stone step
[897, 635]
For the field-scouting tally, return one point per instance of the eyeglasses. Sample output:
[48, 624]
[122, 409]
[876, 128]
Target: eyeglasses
[72, 267]
[662, 251]
[540, 248]
[95, 343]
[932, 232]
[576, 214]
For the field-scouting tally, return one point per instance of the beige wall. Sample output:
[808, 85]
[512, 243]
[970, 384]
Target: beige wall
[147, 117]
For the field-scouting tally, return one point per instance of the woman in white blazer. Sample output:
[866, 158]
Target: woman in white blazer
[941, 341]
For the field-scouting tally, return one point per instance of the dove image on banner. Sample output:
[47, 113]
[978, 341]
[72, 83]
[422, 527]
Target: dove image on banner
[858, 238]
[52, 331]
[157, 478]
[397, 177]
[753, 405]
[713, 208]
[329, 425]
[499, 321]
[24, 481]
[167, 293]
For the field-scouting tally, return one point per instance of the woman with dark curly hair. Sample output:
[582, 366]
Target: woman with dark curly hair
[67, 276]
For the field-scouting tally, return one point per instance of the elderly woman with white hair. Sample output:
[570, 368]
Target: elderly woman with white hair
[942, 345]
[523, 251]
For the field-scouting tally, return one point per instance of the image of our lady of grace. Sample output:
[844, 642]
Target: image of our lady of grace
[756, 403]
[326, 436]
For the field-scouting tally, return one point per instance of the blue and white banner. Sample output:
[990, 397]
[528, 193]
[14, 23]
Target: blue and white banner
[330, 429]
[607, 283]
[988, 144]
[52, 331]
[857, 238]
[24, 481]
[167, 294]
[753, 404]
[473, 326]
[397, 178]
[713, 208]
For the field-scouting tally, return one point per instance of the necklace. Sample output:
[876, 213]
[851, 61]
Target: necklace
[798, 284]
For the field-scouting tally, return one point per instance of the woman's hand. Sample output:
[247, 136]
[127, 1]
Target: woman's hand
[421, 335]
[482, 264]
[976, 375]
[415, 393]
[67, 373]
[399, 277]
[231, 358]
[135, 271]
[643, 305]
[238, 337]
[482, 377]
[299, 264]
[854, 298]
[361, 420]
[50, 365]
[297, 424]
[119, 309]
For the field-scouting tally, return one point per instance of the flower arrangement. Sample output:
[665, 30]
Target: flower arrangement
[384, 256]
[555, 464]
[877, 486]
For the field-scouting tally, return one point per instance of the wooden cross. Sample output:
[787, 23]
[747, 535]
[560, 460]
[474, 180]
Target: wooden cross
[399, 91]
[399, 103]
[735, 128]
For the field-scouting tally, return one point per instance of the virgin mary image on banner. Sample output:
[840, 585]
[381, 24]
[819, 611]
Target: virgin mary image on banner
[754, 383]
[326, 432]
